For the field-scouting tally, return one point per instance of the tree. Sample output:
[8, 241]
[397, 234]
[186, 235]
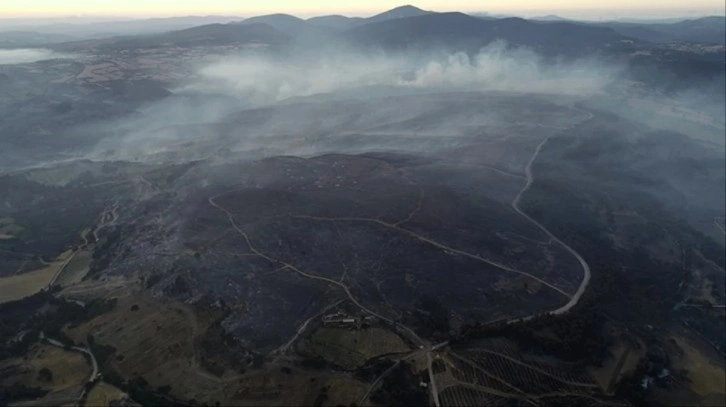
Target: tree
[45, 375]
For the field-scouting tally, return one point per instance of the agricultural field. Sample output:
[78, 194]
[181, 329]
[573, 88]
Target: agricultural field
[76, 269]
[493, 370]
[532, 378]
[461, 396]
[62, 369]
[465, 371]
[351, 348]
[146, 334]
[102, 394]
[23, 285]
[706, 376]
[622, 361]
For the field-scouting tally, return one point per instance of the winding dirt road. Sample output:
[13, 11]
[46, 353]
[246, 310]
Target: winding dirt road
[94, 364]
[281, 350]
[574, 299]
[413, 336]
[424, 345]
[436, 244]
[58, 344]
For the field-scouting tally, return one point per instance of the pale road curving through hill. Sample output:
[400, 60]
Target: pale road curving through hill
[94, 363]
[515, 205]
[425, 347]
[281, 350]
[95, 374]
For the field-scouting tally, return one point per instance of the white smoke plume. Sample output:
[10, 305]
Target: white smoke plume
[29, 55]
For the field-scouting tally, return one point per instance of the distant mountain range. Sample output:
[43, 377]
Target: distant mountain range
[293, 25]
[465, 32]
[205, 35]
[24, 39]
[706, 30]
[710, 30]
[402, 28]
[86, 29]
[409, 27]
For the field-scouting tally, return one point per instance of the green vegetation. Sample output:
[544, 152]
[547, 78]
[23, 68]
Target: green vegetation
[351, 348]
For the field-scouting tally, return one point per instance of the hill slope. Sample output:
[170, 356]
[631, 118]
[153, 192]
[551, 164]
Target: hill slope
[339, 22]
[464, 32]
[285, 23]
[710, 30]
[205, 35]
[398, 13]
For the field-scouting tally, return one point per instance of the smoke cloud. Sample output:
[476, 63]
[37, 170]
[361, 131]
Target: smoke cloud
[30, 55]
[262, 80]
[313, 103]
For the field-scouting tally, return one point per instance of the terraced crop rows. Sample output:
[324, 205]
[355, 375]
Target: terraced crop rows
[572, 375]
[571, 401]
[460, 396]
[520, 376]
[467, 373]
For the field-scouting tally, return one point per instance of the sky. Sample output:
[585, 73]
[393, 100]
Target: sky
[136, 8]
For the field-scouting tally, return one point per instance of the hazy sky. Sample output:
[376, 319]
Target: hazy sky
[34, 8]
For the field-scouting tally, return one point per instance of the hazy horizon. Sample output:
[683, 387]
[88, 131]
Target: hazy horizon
[83, 9]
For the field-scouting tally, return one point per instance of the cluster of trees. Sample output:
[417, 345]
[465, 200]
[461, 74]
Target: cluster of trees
[102, 353]
[372, 369]
[141, 392]
[45, 375]
[43, 312]
[18, 392]
[400, 388]
[25, 316]
[314, 362]
[322, 396]
[221, 350]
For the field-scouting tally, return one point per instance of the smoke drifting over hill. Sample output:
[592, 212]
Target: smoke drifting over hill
[237, 83]
[264, 80]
